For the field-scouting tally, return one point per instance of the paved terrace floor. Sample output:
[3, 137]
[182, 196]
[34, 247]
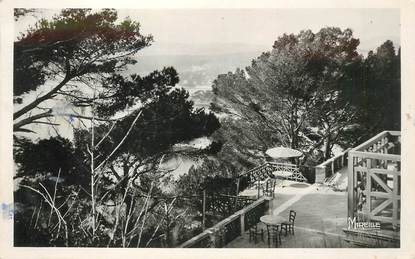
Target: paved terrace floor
[321, 215]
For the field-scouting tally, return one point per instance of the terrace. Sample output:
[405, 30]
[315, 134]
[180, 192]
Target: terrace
[323, 208]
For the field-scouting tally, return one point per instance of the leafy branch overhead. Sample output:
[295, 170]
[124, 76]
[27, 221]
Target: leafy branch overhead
[77, 49]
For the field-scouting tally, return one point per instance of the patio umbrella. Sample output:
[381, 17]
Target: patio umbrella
[283, 152]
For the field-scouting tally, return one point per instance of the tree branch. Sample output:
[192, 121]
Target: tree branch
[47, 96]
[31, 119]
[121, 142]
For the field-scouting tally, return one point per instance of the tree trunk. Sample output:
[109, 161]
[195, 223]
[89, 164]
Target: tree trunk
[327, 151]
[294, 141]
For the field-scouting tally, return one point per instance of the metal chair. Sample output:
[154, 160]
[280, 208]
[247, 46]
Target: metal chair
[274, 235]
[289, 225]
[269, 187]
[254, 232]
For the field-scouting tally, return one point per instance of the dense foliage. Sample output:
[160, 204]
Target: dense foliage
[375, 91]
[104, 186]
[312, 91]
[71, 52]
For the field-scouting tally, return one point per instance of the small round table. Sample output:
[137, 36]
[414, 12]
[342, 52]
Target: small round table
[272, 220]
[282, 174]
[250, 193]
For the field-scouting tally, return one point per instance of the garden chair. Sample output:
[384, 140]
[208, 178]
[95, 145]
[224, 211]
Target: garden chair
[288, 226]
[254, 232]
[269, 187]
[274, 235]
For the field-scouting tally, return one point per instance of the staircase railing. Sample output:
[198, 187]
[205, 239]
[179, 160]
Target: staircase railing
[329, 167]
[262, 172]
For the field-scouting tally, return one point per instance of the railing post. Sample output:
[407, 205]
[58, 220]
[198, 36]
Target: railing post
[214, 239]
[368, 206]
[395, 195]
[350, 186]
[242, 224]
[345, 157]
[320, 174]
[342, 159]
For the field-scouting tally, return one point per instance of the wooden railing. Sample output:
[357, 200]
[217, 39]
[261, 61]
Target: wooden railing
[228, 229]
[331, 166]
[384, 143]
[374, 180]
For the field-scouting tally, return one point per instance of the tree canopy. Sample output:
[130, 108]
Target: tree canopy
[376, 93]
[71, 54]
[94, 47]
[291, 89]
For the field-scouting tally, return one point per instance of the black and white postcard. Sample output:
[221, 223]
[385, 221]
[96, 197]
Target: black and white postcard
[264, 128]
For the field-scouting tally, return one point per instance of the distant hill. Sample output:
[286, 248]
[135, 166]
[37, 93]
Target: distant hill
[199, 64]
[202, 98]
[196, 72]
[159, 48]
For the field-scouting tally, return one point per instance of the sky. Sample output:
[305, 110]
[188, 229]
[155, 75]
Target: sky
[258, 28]
[217, 31]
